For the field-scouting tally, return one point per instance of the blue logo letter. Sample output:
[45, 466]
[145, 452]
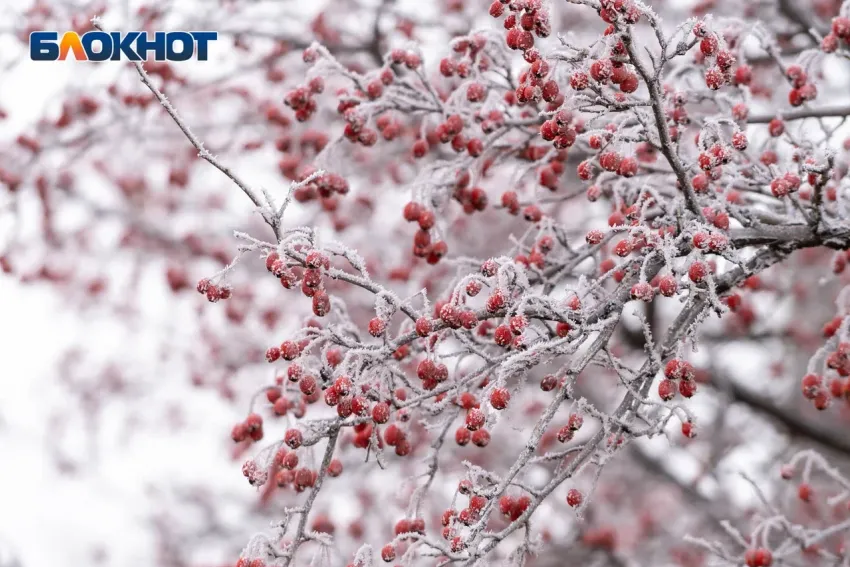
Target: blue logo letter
[187, 46]
[143, 45]
[43, 46]
[105, 45]
[124, 45]
[203, 38]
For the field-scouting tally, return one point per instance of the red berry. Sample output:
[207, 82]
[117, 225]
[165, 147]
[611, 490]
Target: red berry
[574, 498]
[307, 385]
[377, 326]
[388, 553]
[272, 354]
[697, 271]
[475, 419]
[548, 383]
[499, 398]
[776, 127]
[668, 286]
[293, 438]
[481, 438]
[667, 389]
[642, 291]
[462, 436]
[381, 412]
[503, 335]
[335, 468]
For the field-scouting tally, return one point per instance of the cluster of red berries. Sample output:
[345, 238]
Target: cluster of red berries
[526, 19]
[536, 256]
[404, 526]
[720, 73]
[472, 199]
[409, 59]
[454, 521]
[324, 186]
[389, 127]
[255, 475]
[560, 129]
[714, 242]
[813, 386]
[473, 428]
[667, 285]
[429, 372]
[803, 91]
[713, 159]
[785, 184]
[625, 166]
[613, 71]
[548, 175]
[213, 292]
[512, 507]
[450, 132]
[469, 50]
[356, 130]
[677, 112]
[681, 371]
[286, 463]
[455, 316]
[718, 217]
[840, 31]
[348, 401]
[301, 99]
[281, 405]
[568, 431]
[611, 9]
[534, 85]
[311, 281]
[288, 350]
[509, 334]
[423, 246]
[251, 428]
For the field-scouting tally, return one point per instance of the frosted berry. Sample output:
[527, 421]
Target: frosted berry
[499, 398]
[381, 412]
[377, 326]
[462, 436]
[668, 286]
[321, 303]
[475, 419]
[481, 438]
[574, 498]
[642, 291]
[548, 383]
[293, 438]
[697, 271]
[423, 326]
[503, 335]
[667, 389]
